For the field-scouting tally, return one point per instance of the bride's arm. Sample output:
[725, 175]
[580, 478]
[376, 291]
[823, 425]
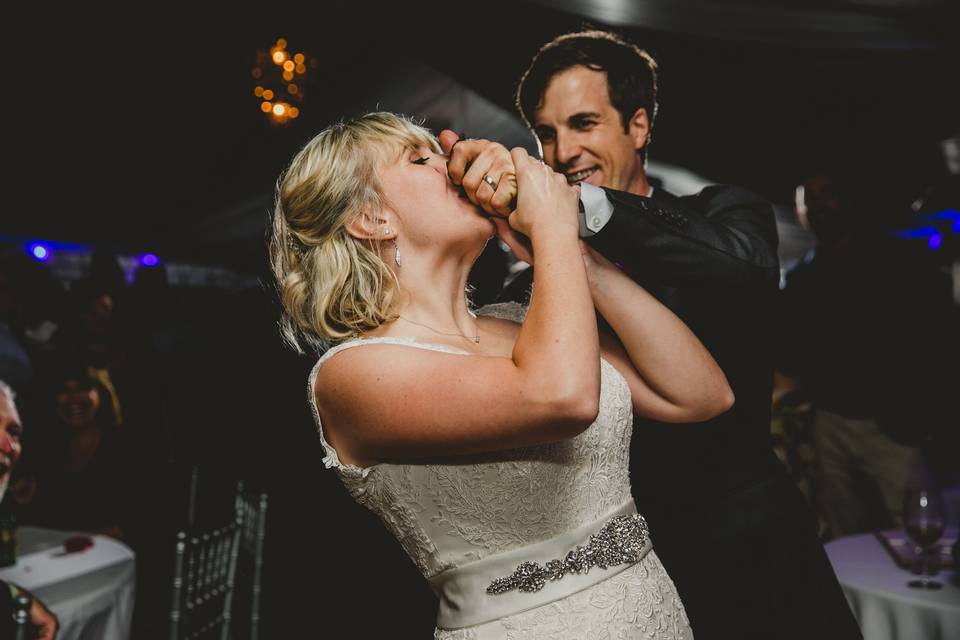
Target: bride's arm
[384, 402]
[672, 376]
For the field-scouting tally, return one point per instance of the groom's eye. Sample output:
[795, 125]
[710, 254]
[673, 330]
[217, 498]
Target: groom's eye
[420, 160]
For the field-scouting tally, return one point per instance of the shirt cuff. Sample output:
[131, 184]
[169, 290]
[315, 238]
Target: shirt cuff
[595, 209]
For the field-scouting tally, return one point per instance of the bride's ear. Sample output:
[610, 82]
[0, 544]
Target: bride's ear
[372, 225]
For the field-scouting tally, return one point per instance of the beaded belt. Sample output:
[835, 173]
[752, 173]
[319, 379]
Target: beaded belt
[522, 579]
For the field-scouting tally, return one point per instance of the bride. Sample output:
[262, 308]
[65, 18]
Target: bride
[493, 444]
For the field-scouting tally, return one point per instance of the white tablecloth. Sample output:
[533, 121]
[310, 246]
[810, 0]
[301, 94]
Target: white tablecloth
[91, 592]
[885, 606]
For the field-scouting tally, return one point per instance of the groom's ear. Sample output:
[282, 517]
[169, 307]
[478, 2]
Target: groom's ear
[372, 225]
[638, 127]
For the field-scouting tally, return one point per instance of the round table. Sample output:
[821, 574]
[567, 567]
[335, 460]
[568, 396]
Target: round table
[91, 592]
[885, 606]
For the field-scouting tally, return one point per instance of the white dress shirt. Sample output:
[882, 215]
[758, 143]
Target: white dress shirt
[595, 209]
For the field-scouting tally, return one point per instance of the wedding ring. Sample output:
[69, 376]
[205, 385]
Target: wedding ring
[490, 181]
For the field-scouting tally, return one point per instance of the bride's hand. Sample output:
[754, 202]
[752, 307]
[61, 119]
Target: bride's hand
[544, 199]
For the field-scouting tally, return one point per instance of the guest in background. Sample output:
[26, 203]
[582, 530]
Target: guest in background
[82, 469]
[791, 433]
[15, 361]
[11, 433]
[90, 333]
[865, 326]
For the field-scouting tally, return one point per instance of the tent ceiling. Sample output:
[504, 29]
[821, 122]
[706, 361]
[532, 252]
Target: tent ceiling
[148, 137]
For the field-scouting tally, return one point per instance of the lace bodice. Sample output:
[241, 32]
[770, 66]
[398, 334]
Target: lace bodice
[449, 512]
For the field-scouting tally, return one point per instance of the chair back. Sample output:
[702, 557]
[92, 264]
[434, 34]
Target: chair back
[252, 515]
[205, 565]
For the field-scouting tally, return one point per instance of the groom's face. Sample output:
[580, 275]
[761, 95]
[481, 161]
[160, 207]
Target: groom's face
[583, 135]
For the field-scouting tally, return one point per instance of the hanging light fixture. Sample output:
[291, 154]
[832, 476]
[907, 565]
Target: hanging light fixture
[280, 80]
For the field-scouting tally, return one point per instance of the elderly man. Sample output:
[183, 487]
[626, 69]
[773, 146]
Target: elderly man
[731, 529]
[11, 431]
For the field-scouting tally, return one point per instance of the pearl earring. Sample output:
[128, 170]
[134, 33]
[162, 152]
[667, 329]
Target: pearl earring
[396, 253]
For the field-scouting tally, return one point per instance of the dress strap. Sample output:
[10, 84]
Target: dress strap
[331, 459]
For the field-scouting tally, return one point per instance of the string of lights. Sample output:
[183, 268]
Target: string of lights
[281, 80]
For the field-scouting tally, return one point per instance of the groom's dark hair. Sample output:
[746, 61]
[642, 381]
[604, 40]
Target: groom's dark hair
[631, 73]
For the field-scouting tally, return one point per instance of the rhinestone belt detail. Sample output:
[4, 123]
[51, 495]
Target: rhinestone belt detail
[620, 541]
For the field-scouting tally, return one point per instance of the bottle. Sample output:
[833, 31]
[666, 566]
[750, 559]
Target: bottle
[21, 617]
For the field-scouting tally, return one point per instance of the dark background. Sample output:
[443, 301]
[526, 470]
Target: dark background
[135, 128]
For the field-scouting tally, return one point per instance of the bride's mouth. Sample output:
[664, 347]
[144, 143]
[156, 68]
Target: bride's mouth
[458, 191]
[579, 176]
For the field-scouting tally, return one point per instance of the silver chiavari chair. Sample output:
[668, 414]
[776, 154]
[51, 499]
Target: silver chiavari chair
[205, 566]
[252, 514]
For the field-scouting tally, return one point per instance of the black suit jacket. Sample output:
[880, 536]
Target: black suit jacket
[712, 259]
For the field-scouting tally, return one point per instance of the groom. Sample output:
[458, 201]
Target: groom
[731, 529]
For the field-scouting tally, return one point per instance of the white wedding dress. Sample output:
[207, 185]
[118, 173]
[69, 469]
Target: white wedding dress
[466, 520]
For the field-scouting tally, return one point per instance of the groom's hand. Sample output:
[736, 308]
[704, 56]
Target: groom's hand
[473, 160]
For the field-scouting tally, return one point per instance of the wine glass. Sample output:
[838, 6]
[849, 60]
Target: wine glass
[923, 518]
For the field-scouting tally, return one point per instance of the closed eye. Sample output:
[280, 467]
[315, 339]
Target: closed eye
[421, 161]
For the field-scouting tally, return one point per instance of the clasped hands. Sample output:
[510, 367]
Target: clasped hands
[472, 160]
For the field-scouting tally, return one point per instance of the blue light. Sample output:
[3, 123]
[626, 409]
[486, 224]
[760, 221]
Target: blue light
[39, 252]
[956, 226]
[917, 232]
[149, 260]
[935, 241]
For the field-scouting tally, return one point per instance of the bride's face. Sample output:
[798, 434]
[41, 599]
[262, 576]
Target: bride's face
[431, 210]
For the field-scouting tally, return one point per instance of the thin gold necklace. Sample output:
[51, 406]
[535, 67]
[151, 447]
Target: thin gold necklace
[475, 338]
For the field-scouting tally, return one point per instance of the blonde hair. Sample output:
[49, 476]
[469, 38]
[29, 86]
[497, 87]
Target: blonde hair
[333, 286]
[6, 390]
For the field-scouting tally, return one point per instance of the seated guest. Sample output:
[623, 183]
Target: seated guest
[80, 469]
[11, 430]
[91, 333]
[868, 335]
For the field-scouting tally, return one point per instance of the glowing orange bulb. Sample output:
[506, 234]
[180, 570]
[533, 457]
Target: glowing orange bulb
[288, 76]
[288, 65]
[268, 94]
[294, 112]
[293, 89]
[278, 109]
[301, 68]
[281, 43]
[279, 56]
[258, 91]
[298, 58]
[265, 107]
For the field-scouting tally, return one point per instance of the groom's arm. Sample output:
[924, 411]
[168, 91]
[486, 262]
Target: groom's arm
[724, 236]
